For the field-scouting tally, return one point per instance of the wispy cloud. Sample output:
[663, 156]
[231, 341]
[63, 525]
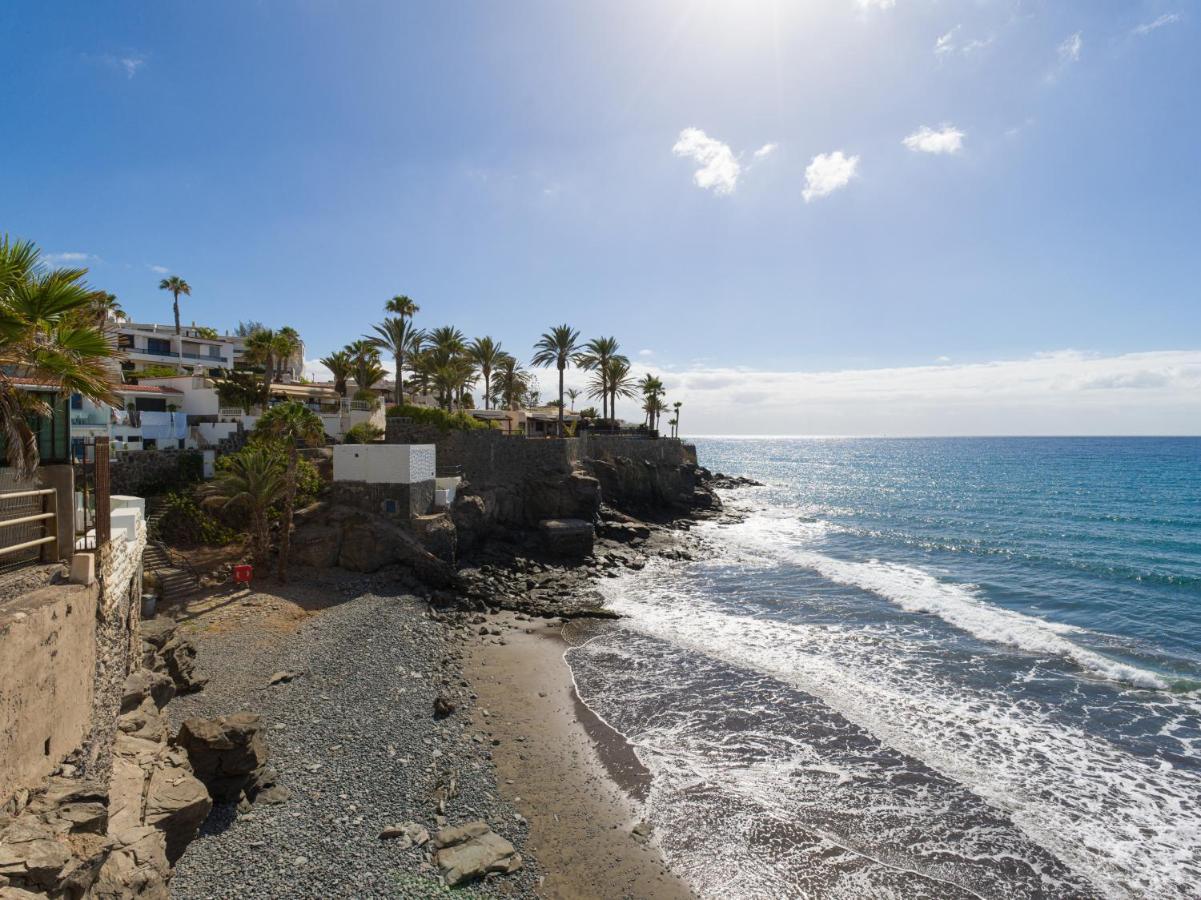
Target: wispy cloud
[645, 353]
[127, 63]
[131, 64]
[946, 42]
[719, 167]
[1166, 19]
[876, 4]
[1069, 50]
[947, 139]
[69, 259]
[765, 151]
[158, 270]
[827, 173]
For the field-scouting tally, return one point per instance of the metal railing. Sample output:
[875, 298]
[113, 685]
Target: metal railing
[34, 499]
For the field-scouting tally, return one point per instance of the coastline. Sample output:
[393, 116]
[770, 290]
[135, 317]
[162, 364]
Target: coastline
[575, 780]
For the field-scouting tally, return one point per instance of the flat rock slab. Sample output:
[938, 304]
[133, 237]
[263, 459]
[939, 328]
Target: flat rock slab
[567, 537]
[470, 851]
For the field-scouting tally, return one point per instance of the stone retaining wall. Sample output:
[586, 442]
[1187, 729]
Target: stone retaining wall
[407, 500]
[144, 473]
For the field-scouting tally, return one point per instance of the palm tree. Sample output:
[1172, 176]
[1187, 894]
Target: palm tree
[44, 337]
[402, 306]
[487, 355]
[652, 389]
[653, 406]
[288, 346]
[291, 423]
[261, 348]
[572, 395]
[251, 482]
[104, 305]
[511, 382]
[339, 365]
[676, 421]
[596, 356]
[557, 348]
[621, 382]
[365, 367]
[396, 336]
[176, 286]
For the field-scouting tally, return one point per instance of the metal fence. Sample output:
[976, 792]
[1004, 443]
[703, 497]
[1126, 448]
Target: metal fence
[28, 522]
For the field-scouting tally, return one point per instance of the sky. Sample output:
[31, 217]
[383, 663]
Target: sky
[823, 217]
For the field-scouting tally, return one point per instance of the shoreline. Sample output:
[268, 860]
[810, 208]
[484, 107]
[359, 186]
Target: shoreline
[576, 781]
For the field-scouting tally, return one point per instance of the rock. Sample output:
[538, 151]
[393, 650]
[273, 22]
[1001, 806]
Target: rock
[409, 834]
[225, 752]
[318, 546]
[443, 706]
[163, 650]
[470, 851]
[283, 676]
[144, 683]
[567, 537]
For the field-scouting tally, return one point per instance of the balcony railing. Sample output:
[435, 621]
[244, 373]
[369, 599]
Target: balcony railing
[203, 357]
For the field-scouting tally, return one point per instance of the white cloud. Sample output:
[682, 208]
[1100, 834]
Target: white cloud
[1069, 50]
[1166, 19]
[827, 173]
[719, 168]
[1065, 392]
[646, 353]
[766, 150]
[946, 43]
[69, 259]
[876, 4]
[948, 139]
[131, 64]
[158, 270]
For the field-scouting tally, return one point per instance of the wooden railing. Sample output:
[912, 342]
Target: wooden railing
[36, 496]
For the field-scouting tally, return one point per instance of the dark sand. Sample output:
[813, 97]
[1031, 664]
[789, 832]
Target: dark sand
[576, 780]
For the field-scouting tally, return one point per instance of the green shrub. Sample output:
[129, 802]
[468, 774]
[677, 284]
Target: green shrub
[363, 433]
[309, 483]
[365, 396]
[184, 524]
[439, 418]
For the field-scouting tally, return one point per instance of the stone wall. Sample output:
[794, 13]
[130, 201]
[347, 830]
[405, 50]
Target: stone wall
[65, 650]
[47, 667]
[407, 500]
[143, 473]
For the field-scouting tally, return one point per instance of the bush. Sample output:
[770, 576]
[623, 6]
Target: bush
[365, 396]
[439, 418]
[184, 524]
[363, 433]
[309, 484]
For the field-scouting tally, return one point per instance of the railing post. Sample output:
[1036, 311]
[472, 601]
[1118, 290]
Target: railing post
[102, 489]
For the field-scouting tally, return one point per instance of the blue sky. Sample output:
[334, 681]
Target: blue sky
[842, 216]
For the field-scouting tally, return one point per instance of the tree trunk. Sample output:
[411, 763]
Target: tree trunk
[561, 368]
[176, 304]
[400, 395]
[487, 389]
[285, 529]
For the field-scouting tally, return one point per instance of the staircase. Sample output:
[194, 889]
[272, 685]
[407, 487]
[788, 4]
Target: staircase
[174, 581]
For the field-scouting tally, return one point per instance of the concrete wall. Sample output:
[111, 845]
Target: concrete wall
[65, 650]
[384, 463]
[399, 502]
[147, 472]
[47, 667]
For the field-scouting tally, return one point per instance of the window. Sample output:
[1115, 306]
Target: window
[76, 401]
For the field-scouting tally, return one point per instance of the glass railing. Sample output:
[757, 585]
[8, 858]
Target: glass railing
[203, 357]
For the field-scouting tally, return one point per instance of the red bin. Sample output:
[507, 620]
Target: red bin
[243, 574]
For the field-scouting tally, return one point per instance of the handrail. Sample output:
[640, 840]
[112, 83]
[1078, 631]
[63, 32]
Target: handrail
[44, 517]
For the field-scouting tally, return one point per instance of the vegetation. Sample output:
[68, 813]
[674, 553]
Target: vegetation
[176, 286]
[238, 388]
[205, 332]
[290, 424]
[250, 482]
[363, 433]
[154, 370]
[184, 523]
[338, 364]
[557, 347]
[439, 418]
[49, 334]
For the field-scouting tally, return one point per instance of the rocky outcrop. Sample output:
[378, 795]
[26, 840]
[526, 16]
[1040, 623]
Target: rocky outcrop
[653, 489]
[229, 755]
[165, 651]
[467, 852]
[571, 538]
[329, 534]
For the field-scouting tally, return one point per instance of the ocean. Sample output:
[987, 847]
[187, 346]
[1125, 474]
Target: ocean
[923, 668]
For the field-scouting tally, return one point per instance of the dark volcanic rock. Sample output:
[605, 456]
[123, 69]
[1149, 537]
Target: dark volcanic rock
[226, 752]
[567, 537]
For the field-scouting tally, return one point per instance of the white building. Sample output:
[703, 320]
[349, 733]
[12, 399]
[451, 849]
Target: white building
[146, 345]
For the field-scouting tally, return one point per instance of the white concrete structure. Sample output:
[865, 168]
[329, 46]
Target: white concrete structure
[384, 463]
[145, 344]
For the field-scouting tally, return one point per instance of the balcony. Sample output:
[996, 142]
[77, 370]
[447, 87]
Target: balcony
[173, 354]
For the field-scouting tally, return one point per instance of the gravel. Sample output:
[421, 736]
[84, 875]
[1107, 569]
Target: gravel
[355, 740]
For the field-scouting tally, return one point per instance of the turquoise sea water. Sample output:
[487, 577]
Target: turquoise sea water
[954, 667]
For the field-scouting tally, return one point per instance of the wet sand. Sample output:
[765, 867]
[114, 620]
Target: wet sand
[576, 780]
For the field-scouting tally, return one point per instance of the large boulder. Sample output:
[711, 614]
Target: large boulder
[470, 851]
[318, 546]
[567, 537]
[165, 650]
[226, 753]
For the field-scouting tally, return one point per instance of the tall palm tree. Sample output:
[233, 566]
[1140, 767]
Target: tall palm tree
[652, 389]
[573, 395]
[251, 482]
[396, 336]
[653, 406]
[676, 421]
[621, 382]
[557, 348]
[487, 355]
[176, 286]
[261, 348]
[595, 357]
[45, 336]
[339, 365]
[402, 306]
[365, 367]
[291, 424]
[511, 382]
